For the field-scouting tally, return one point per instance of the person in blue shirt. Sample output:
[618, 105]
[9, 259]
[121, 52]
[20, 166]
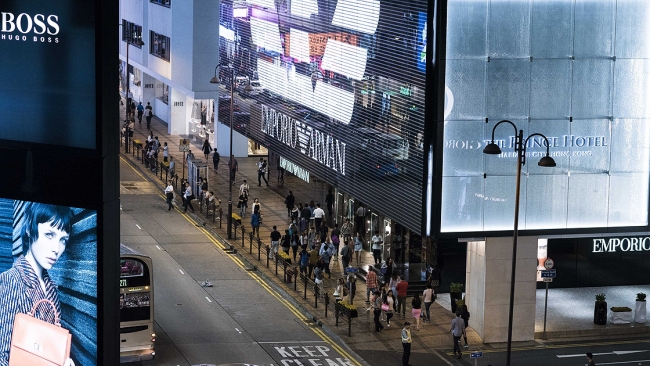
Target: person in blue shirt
[45, 234]
[140, 109]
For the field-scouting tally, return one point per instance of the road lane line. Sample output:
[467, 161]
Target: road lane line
[157, 246]
[442, 358]
[134, 169]
[181, 271]
[290, 342]
[623, 362]
[207, 298]
[138, 226]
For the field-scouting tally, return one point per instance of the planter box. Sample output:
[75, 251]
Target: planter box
[640, 312]
[620, 317]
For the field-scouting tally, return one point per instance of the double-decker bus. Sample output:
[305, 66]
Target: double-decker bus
[137, 337]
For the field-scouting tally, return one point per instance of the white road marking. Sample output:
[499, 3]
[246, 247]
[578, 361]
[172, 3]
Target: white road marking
[181, 271]
[623, 362]
[207, 298]
[618, 353]
[443, 358]
[159, 248]
[237, 329]
[138, 226]
[120, 207]
[290, 342]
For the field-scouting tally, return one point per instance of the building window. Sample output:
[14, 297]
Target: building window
[159, 46]
[165, 3]
[131, 32]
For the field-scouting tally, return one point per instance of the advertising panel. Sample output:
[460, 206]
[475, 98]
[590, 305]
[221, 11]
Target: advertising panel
[47, 252]
[601, 261]
[337, 107]
[565, 74]
[47, 70]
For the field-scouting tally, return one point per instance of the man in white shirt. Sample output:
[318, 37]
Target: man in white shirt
[318, 216]
[457, 330]
[244, 188]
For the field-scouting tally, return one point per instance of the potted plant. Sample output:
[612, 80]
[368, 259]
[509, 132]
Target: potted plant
[455, 294]
[639, 309]
[600, 310]
[620, 315]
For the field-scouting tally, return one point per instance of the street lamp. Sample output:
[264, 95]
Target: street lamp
[127, 131]
[215, 80]
[546, 161]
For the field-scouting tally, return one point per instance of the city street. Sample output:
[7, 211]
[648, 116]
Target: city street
[240, 319]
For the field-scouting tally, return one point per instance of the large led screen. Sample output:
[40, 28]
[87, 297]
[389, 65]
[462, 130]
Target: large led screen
[47, 252]
[47, 72]
[577, 72]
[344, 93]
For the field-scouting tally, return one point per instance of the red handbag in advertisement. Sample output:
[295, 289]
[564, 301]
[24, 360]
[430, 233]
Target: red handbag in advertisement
[38, 343]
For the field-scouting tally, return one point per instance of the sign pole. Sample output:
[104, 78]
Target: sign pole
[545, 306]
[183, 175]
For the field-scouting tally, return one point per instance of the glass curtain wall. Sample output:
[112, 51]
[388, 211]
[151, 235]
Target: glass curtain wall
[577, 71]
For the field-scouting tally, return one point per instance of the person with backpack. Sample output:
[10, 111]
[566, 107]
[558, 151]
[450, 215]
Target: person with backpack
[313, 259]
[304, 260]
[346, 256]
[325, 257]
[286, 242]
[255, 224]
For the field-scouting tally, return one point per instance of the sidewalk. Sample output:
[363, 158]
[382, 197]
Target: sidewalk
[431, 336]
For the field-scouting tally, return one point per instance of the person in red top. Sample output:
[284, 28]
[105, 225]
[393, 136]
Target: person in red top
[371, 282]
[401, 288]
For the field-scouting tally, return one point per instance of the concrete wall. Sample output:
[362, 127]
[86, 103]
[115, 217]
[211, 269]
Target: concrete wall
[488, 288]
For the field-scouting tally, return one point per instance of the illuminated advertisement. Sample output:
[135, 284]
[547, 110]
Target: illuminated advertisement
[47, 70]
[343, 96]
[48, 284]
[573, 71]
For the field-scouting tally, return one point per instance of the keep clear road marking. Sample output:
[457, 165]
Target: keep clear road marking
[618, 353]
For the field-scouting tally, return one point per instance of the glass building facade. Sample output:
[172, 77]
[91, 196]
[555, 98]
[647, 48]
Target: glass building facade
[576, 71]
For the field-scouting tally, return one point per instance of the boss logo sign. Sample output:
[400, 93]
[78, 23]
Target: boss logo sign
[23, 27]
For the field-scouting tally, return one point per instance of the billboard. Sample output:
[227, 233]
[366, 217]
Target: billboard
[47, 70]
[564, 73]
[337, 106]
[48, 252]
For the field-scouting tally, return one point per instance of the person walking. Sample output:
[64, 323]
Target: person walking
[329, 202]
[140, 109]
[346, 256]
[304, 260]
[457, 330]
[360, 220]
[233, 166]
[289, 201]
[326, 257]
[206, 149]
[148, 115]
[295, 242]
[275, 241]
[169, 192]
[464, 314]
[336, 239]
[346, 230]
[376, 302]
[172, 166]
[358, 247]
[352, 287]
[242, 204]
[416, 310]
[255, 224]
[188, 197]
[406, 344]
[376, 247]
[261, 172]
[165, 152]
[305, 214]
[428, 297]
[286, 242]
[401, 288]
[256, 207]
[215, 159]
[387, 306]
[313, 259]
[318, 216]
[371, 282]
[590, 359]
[244, 188]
